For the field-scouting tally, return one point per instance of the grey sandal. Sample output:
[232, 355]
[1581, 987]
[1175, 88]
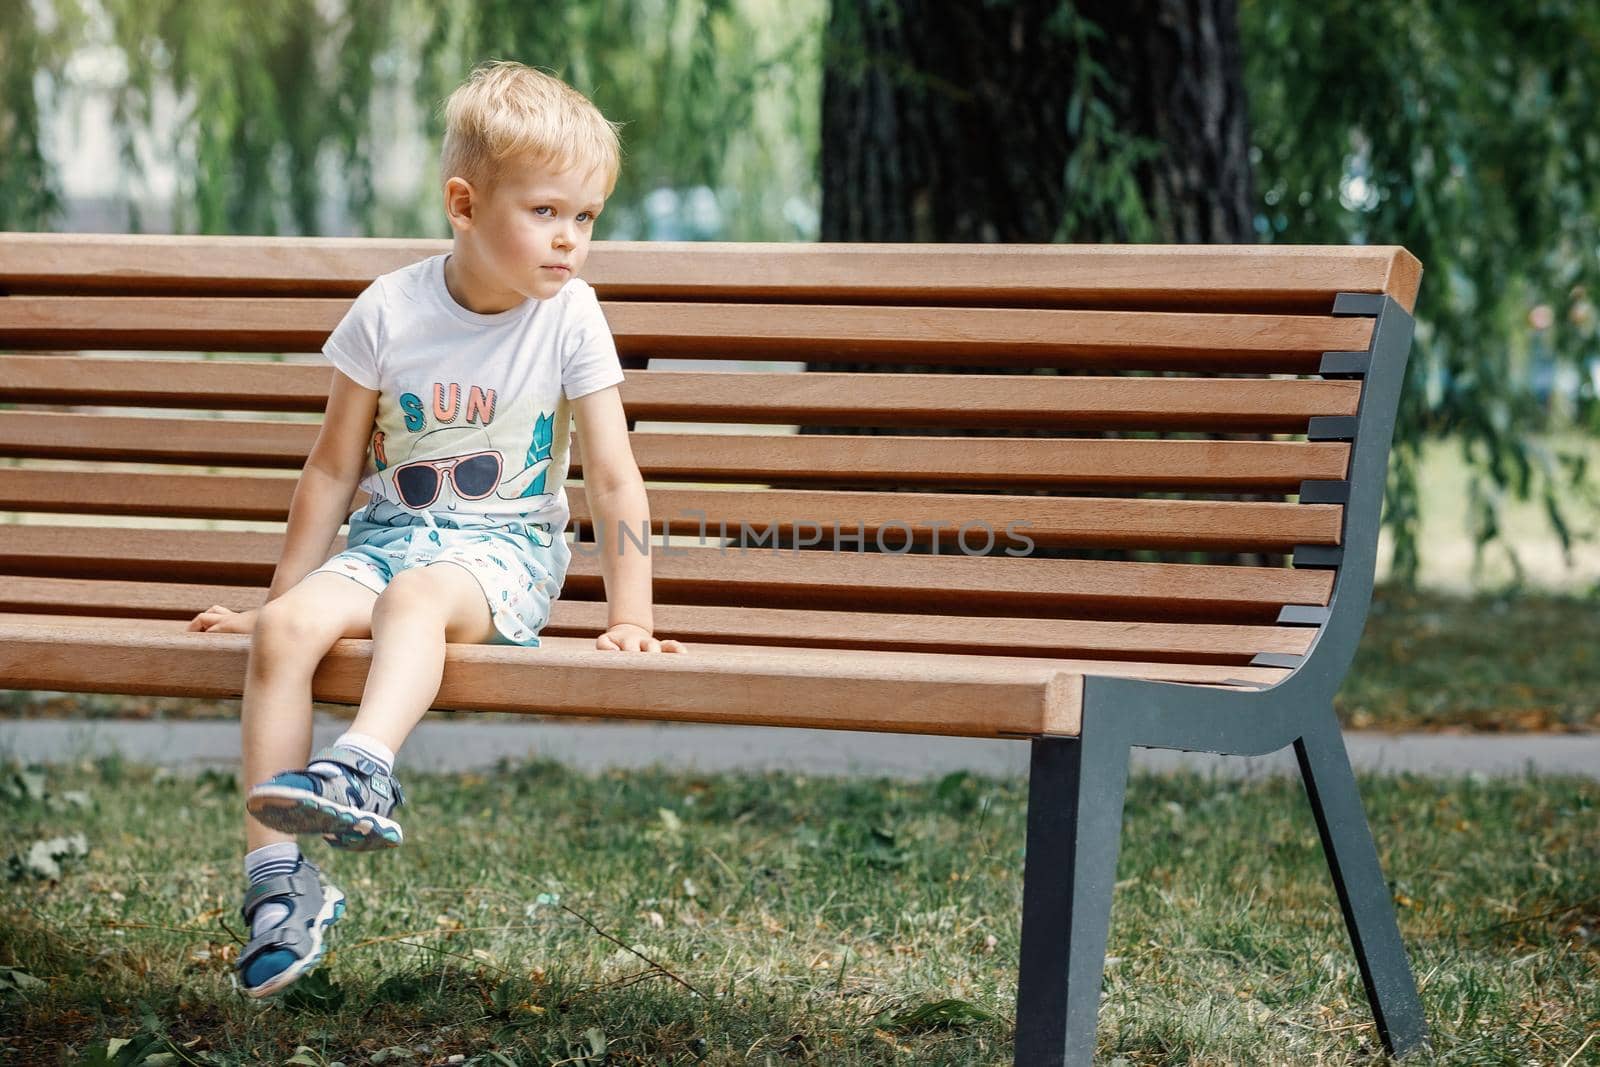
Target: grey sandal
[273, 959]
[349, 806]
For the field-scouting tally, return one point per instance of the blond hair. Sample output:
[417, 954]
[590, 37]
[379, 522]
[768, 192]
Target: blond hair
[508, 112]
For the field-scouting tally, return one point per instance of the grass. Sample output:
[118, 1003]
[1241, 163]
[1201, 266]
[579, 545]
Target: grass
[1530, 553]
[1433, 660]
[537, 916]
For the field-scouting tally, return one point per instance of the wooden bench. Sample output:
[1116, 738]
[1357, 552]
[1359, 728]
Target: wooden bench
[149, 482]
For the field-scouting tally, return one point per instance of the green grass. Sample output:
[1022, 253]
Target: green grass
[1531, 554]
[536, 914]
[1432, 660]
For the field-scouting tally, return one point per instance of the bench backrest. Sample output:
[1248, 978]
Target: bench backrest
[151, 451]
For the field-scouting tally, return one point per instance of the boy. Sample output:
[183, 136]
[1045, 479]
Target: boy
[450, 405]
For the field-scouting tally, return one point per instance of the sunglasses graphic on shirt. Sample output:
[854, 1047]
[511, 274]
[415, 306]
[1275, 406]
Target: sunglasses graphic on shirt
[474, 476]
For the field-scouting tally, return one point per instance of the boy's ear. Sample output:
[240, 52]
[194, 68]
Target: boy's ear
[458, 202]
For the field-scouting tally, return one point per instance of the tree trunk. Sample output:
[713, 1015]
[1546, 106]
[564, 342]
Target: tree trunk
[1182, 78]
[1184, 91]
[943, 120]
[948, 121]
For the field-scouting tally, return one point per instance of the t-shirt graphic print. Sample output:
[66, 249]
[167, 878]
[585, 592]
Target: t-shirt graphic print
[473, 426]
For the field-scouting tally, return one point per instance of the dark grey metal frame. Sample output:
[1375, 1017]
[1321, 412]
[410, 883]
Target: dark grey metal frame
[1076, 785]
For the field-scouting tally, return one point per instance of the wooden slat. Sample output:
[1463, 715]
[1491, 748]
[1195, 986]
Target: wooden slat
[824, 517]
[217, 324]
[1145, 276]
[233, 557]
[113, 597]
[1177, 672]
[1047, 275]
[817, 580]
[959, 336]
[140, 439]
[850, 689]
[1179, 642]
[1018, 463]
[865, 691]
[186, 496]
[1015, 463]
[1046, 402]
[202, 265]
[211, 385]
[979, 337]
[1049, 402]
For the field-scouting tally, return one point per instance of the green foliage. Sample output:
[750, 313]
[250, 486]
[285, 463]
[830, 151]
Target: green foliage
[685, 77]
[1465, 132]
[262, 112]
[285, 106]
[32, 53]
[1105, 202]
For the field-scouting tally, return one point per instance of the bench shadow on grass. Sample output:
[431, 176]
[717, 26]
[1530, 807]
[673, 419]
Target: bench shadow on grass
[437, 1009]
[647, 1017]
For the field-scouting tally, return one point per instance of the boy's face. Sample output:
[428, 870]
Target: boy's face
[532, 223]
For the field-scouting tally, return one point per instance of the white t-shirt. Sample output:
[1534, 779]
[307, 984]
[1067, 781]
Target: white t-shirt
[473, 424]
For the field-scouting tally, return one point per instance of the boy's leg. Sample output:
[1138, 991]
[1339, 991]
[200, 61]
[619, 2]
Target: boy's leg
[348, 792]
[421, 609]
[292, 635]
[288, 906]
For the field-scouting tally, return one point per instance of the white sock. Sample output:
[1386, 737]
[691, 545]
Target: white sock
[370, 747]
[269, 861]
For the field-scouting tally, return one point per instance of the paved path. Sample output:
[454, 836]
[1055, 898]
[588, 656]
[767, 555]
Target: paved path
[442, 745]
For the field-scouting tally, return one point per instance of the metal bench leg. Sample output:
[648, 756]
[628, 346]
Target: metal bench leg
[1074, 830]
[1363, 893]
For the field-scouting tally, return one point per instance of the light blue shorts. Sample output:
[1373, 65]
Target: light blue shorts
[520, 567]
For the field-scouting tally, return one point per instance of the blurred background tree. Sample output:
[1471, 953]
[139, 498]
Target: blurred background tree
[1035, 120]
[1460, 128]
[33, 51]
[1464, 130]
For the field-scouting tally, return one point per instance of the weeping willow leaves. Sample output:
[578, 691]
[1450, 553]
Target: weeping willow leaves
[287, 106]
[717, 94]
[272, 94]
[1102, 172]
[1466, 132]
[33, 52]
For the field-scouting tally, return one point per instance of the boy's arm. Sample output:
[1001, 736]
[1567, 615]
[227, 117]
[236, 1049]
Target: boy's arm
[617, 499]
[327, 483]
[321, 495]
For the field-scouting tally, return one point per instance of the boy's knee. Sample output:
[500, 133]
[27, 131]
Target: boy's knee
[409, 592]
[287, 627]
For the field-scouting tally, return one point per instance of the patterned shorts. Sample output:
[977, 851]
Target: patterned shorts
[519, 575]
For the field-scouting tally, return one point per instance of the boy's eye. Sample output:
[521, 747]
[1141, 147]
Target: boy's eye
[583, 216]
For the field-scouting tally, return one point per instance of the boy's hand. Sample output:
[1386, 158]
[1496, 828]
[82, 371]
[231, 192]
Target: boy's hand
[220, 620]
[630, 637]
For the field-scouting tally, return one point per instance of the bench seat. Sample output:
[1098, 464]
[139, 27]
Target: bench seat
[892, 692]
